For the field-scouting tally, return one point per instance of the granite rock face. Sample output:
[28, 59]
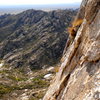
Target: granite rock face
[79, 75]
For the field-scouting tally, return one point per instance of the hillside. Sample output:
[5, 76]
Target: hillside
[34, 38]
[31, 45]
[79, 75]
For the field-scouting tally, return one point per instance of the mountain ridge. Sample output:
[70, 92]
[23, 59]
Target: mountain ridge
[32, 38]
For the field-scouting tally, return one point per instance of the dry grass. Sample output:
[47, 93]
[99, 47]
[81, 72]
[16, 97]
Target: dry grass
[75, 24]
[71, 31]
[57, 69]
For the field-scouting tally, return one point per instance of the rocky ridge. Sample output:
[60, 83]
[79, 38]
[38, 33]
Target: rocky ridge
[34, 38]
[79, 75]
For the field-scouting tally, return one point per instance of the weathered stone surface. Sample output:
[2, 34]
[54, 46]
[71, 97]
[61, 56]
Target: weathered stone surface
[79, 74]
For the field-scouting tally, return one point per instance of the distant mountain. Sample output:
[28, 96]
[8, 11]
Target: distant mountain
[19, 8]
[34, 38]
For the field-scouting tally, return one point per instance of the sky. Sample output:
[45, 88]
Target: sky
[36, 2]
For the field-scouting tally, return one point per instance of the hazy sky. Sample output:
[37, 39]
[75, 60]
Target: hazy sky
[32, 2]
